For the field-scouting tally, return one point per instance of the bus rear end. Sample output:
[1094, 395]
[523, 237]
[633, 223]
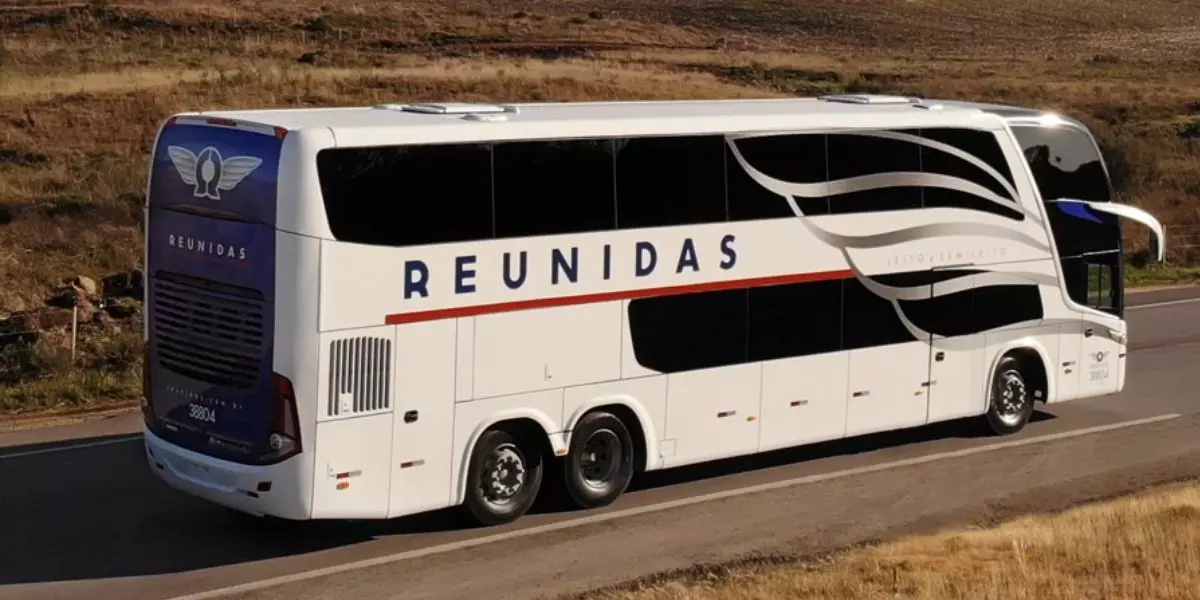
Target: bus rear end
[221, 423]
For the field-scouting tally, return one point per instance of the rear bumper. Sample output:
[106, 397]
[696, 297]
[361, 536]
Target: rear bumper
[260, 491]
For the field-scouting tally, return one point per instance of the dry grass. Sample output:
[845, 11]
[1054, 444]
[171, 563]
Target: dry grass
[1144, 546]
[83, 85]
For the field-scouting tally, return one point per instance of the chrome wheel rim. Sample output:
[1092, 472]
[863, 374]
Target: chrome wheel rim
[1011, 397]
[600, 458]
[503, 475]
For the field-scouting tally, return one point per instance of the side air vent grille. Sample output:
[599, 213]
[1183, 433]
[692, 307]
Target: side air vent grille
[360, 371]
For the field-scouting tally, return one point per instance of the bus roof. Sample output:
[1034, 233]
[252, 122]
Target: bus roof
[459, 122]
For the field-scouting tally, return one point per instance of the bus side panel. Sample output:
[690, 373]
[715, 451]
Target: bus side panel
[544, 348]
[353, 471]
[713, 413]
[885, 387]
[422, 446]
[803, 400]
[354, 423]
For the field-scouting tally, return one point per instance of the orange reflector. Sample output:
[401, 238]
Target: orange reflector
[343, 485]
[751, 418]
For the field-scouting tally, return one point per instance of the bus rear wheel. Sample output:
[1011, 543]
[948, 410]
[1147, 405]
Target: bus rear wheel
[1010, 401]
[599, 465]
[503, 479]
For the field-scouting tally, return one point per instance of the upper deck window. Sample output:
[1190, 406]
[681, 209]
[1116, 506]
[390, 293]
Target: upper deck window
[408, 195]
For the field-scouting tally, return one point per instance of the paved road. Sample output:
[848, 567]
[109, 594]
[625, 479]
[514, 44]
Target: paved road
[83, 518]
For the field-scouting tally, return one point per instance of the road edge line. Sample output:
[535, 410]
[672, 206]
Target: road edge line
[1166, 303]
[658, 507]
[133, 437]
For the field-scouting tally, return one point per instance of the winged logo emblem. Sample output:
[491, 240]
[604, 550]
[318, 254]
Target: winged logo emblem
[209, 172]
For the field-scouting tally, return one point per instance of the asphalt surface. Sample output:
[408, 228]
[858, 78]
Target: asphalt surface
[82, 517]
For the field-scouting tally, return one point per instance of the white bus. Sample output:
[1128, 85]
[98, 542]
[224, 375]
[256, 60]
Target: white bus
[371, 312]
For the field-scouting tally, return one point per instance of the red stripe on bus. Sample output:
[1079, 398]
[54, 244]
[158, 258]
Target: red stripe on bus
[499, 307]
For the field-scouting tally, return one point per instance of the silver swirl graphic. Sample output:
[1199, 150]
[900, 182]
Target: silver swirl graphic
[959, 284]
[789, 191]
[922, 232]
[948, 149]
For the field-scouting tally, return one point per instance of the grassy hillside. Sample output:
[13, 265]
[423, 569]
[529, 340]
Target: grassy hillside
[84, 85]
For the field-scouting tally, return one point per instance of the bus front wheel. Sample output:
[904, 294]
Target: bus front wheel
[599, 465]
[504, 477]
[1010, 401]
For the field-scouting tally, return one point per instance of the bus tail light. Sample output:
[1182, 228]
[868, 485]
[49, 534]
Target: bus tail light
[283, 441]
[147, 409]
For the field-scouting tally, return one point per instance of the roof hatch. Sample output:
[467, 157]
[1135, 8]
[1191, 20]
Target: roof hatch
[869, 99]
[450, 108]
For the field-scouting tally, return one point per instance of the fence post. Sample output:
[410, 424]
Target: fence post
[74, 330]
[1166, 236]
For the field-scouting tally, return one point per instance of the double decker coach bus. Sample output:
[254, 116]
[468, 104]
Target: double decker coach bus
[377, 311]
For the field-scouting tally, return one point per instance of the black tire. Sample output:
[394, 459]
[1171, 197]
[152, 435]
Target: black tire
[1010, 403]
[487, 500]
[599, 464]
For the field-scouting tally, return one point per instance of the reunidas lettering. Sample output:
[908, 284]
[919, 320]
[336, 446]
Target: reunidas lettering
[209, 247]
[564, 266]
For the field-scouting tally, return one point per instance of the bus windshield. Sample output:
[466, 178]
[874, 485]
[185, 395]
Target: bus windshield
[1066, 164]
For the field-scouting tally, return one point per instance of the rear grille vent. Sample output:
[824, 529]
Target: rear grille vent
[362, 368]
[203, 334]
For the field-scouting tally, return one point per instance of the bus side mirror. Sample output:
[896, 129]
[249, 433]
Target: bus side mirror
[1080, 209]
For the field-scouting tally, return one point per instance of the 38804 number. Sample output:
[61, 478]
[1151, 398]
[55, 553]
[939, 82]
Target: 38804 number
[202, 413]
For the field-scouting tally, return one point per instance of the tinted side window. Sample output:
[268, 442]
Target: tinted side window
[1001, 305]
[946, 315]
[969, 311]
[553, 187]
[783, 322]
[981, 145]
[689, 331]
[869, 320]
[1065, 164]
[1095, 281]
[670, 181]
[852, 155]
[793, 158]
[407, 195]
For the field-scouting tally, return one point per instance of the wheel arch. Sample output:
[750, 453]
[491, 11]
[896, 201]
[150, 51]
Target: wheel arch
[635, 417]
[1033, 358]
[524, 423]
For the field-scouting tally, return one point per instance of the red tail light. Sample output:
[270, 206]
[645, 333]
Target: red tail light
[147, 409]
[283, 440]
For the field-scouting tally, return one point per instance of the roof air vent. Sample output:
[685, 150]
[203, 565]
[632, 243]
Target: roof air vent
[450, 108]
[869, 99]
